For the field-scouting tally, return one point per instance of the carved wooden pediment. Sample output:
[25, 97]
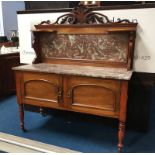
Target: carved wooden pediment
[88, 37]
[83, 15]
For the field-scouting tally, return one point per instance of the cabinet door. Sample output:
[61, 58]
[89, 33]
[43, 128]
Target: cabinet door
[42, 89]
[93, 95]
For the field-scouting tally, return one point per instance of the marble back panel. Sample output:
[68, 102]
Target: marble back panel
[92, 47]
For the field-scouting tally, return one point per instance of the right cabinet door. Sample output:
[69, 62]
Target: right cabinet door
[93, 95]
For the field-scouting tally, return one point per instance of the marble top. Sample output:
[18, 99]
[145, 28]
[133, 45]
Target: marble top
[101, 72]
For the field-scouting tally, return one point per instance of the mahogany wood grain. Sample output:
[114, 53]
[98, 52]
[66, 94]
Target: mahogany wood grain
[97, 96]
[122, 115]
[86, 29]
[42, 89]
[84, 62]
[93, 95]
[95, 29]
[21, 112]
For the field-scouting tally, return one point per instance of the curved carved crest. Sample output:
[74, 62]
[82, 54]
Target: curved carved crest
[84, 15]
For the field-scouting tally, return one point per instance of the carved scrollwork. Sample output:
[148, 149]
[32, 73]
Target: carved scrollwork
[82, 15]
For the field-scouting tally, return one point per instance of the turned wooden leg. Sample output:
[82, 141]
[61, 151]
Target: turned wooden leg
[21, 110]
[122, 116]
[121, 133]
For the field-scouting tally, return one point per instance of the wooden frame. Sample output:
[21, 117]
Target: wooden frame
[87, 29]
[81, 22]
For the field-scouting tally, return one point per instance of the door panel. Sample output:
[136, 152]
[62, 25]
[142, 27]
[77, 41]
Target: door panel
[41, 89]
[89, 94]
[93, 95]
[45, 89]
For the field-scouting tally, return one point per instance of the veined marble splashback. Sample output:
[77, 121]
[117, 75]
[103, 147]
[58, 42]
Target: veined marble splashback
[107, 47]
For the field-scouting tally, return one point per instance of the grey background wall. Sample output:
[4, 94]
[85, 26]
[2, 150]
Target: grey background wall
[1, 19]
[9, 9]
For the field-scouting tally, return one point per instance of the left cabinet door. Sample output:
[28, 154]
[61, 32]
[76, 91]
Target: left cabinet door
[42, 89]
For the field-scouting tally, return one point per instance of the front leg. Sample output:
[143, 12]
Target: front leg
[122, 116]
[121, 133]
[21, 111]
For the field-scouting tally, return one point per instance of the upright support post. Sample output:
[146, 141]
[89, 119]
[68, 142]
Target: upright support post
[122, 116]
[21, 111]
